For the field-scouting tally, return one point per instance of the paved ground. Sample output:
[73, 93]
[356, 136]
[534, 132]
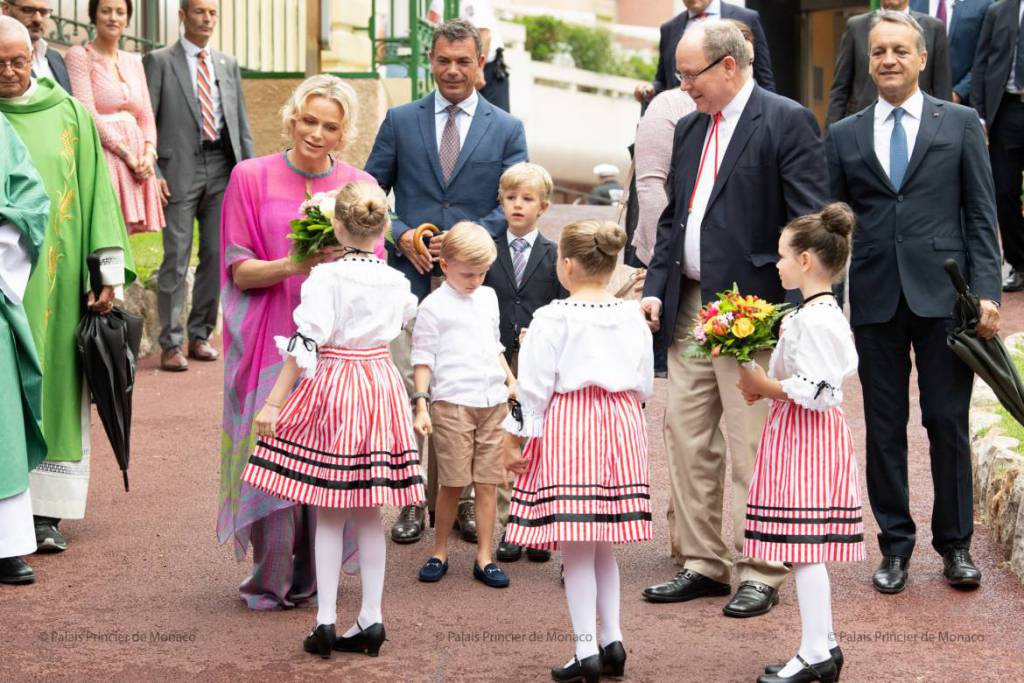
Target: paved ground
[145, 592]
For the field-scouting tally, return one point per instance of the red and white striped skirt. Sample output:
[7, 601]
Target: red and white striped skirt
[804, 502]
[587, 478]
[344, 437]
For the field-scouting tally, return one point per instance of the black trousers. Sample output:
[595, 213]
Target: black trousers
[1006, 152]
[944, 383]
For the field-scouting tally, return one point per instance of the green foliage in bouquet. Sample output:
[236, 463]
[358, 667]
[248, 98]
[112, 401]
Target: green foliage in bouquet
[735, 325]
[313, 230]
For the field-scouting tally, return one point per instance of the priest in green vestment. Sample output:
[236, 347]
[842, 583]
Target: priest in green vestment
[85, 218]
[24, 211]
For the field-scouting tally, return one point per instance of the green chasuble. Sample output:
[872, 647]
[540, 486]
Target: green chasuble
[25, 206]
[84, 216]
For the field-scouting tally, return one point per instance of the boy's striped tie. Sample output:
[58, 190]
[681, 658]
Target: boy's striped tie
[518, 247]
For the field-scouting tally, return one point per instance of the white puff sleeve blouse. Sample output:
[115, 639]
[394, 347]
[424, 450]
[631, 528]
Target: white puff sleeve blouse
[814, 355]
[571, 345]
[356, 303]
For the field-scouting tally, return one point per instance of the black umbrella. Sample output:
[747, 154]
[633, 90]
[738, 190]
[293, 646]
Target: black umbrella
[108, 346]
[987, 357]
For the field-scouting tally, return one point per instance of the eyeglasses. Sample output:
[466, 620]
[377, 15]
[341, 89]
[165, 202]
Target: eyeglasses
[43, 12]
[690, 78]
[18, 64]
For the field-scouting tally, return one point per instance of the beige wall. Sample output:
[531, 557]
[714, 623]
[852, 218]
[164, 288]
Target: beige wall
[601, 8]
[647, 12]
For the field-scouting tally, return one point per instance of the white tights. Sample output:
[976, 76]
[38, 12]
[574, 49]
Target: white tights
[592, 590]
[814, 594]
[330, 524]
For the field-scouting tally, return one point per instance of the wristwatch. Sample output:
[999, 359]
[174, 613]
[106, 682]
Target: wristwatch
[417, 395]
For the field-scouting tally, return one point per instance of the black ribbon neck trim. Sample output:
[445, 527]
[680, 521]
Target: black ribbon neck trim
[348, 251]
[308, 343]
[812, 297]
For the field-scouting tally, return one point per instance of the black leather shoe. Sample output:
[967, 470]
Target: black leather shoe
[1014, 282]
[891, 575]
[752, 599]
[368, 640]
[465, 521]
[960, 570]
[538, 555]
[15, 571]
[822, 671]
[409, 526]
[837, 657]
[588, 671]
[686, 585]
[320, 641]
[48, 538]
[508, 552]
[613, 659]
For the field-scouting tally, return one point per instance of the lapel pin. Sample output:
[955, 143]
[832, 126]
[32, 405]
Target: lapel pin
[935, 114]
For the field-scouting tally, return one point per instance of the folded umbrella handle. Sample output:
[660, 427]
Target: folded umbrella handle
[956, 276]
[92, 262]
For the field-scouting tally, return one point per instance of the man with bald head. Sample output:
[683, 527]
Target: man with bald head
[85, 219]
[743, 165]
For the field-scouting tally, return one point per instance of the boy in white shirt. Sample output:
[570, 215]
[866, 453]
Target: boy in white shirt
[457, 354]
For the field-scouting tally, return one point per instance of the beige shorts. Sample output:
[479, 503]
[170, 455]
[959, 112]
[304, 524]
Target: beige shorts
[467, 443]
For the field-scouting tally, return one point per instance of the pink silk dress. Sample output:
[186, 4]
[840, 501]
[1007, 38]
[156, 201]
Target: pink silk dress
[124, 117]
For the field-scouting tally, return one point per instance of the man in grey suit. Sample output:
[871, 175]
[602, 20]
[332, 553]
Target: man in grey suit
[916, 173]
[852, 87]
[45, 62]
[202, 131]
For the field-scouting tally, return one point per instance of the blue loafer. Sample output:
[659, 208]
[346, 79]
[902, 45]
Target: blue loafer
[490, 575]
[434, 570]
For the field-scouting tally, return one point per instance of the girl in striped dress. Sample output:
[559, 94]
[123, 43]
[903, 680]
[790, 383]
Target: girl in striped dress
[804, 506]
[343, 439]
[585, 366]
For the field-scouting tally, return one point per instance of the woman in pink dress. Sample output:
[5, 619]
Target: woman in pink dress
[112, 85]
[260, 285]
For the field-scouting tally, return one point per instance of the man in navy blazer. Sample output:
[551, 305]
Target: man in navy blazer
[45, 62]
[915, 171]
[743, 165]
[963, 20]
[696, 11]
[442, 156]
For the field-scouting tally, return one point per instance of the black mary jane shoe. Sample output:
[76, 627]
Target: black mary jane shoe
[825, 672]
[613, 659]
[837, 657]
[320, 641]
[368, 640]
[508, 552]
[588, 670]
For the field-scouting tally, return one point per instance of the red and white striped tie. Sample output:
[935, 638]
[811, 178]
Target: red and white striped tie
[205, 97]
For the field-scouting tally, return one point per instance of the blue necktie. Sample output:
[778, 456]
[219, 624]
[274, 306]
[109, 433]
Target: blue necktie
[897, 149]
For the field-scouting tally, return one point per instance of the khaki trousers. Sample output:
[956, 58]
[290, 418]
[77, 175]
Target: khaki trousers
[702, 395]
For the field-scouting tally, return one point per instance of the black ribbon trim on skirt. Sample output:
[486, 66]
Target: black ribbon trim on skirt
[807, 520]
[783, 509]
[581, 486]
[803, 538]
[261, 442]
[336, 485]
[581, 519]
[610, 499]
[342, 468]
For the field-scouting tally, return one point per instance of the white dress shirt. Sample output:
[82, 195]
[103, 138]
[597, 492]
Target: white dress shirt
[911, 123]
[463, 120]
[192, 57]
[706, 182]
[574, 344]
[1011, 82]
[530, 238]
[457, 337]
[41, 67]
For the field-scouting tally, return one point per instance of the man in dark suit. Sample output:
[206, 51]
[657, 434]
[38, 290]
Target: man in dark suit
[852, 87]
[45, 62]
[696, 12]
[997, 92]
[914, 170]
[963, 20]
[442, 156]
[743, 165]
[202, 132]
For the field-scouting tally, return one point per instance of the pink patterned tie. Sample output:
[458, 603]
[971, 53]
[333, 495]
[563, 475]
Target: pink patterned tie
[940, 14]
[450, 144]
[205, 97]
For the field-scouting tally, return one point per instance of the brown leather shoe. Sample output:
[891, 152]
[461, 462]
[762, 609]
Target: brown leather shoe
[200, 349]
[172, 360]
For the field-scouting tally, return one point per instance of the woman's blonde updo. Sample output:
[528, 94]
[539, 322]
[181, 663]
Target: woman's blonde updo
[328, 87]
[594, 244]
[362, 208]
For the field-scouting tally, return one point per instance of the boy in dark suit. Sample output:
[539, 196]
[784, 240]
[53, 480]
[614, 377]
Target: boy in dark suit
[524, 278]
